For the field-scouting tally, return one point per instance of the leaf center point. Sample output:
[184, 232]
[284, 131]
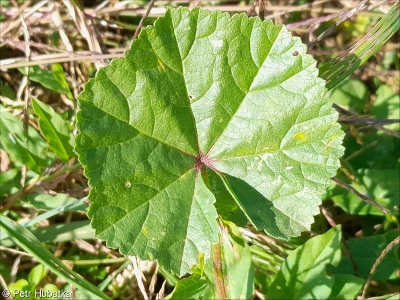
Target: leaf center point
[203, 160]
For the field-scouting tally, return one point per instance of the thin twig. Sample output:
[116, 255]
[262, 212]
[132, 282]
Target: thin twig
[252, 9]
[319, 20]
[139, 275]
[82, 24]
[287, 9]
[261, 9]
[380, 127]
[160, 294]
[217, 270]
[14, 268]
[387, 296]
[136, 34]
[3, 284]
[30, 11]
[13, 251]
[153, 282]
[64, 58]
[363, 197]
[57, 20]
[346, 251]
[377, 262]
[313, 21]
[348, 117]
[25, 88]
[368, 120]
[341, 18]
[328, 216]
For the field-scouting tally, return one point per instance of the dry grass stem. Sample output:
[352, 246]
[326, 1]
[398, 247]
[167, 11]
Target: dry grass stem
[362, 196]
[377, 262]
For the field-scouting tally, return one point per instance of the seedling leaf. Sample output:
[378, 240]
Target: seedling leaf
[27, 147]
[55, 129]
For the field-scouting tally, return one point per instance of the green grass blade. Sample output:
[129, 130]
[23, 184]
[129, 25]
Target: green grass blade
[78, 230]
[25, 239]
[77, 205]
[337, 69]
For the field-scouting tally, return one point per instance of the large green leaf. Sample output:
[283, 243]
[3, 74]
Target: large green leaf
[198, 90]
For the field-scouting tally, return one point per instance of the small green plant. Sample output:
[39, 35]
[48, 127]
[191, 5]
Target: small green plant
[28, 289]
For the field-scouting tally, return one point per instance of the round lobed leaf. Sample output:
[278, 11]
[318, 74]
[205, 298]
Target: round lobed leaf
[205, 109]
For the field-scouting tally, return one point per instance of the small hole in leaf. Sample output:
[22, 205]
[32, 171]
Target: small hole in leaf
[128, 184]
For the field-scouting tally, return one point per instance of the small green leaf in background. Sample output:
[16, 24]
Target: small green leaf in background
[351, 93]
[7, 91]
[237, 266]
[5, 270]
[9, 180]
[47, 201]
[364, 252]
[391, 59]
[55, 129]
[377, 151]
[180, 102]
[189, 288]
[346, 286]
[59, 75]
[303, 274]
[387, 105]
[20, 288]
[49, 289]
[381, 185]
[37, 274]
[28, 148]
[53, 80]
[354, 28]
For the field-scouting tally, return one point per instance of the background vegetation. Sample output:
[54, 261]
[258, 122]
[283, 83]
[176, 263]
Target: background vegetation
[49, 50]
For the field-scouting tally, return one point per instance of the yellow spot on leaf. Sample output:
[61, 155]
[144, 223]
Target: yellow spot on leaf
[161, 64]
[300, 136]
